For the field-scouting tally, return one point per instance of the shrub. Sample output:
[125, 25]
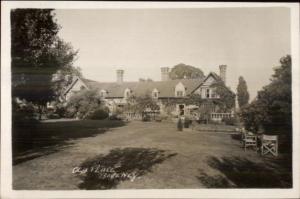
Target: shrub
[115, 117]
[22, 115]
[163, 116]
[187, 122]
[146, 118]
[230, 121]
[98, 114]
[158, 118]
[53, 116]
[60, 110]
[83, 104]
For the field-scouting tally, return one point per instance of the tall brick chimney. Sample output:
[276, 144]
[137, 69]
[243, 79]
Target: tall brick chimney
[164, 73]
[223, 73]
[120, 76]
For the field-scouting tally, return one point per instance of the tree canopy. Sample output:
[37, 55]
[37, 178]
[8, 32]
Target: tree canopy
[227, 98]
[242, 92]
[272, 109]
[138, 104]
[181, 71]
[37, 54]
[84, 103]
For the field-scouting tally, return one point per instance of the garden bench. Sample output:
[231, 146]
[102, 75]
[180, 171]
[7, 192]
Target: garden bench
[250, 140]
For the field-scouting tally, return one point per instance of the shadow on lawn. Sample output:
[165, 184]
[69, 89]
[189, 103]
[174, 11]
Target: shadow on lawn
[34, 140]
[107, 171]
[239, 172]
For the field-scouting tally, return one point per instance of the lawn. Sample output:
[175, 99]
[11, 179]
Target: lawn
[116, 155]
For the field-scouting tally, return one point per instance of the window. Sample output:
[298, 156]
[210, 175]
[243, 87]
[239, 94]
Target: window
[155, 93]
[207, 93]
[103, 93]
[213, 94]
[179, 93]
[127, 94]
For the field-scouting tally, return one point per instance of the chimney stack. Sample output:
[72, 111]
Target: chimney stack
[120, 76]
[164, 73]
[223, 73]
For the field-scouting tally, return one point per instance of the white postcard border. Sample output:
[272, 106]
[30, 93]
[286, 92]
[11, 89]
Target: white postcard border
[6, 149]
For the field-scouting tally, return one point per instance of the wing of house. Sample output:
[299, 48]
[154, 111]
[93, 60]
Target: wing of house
[158, 89]
[117, 92]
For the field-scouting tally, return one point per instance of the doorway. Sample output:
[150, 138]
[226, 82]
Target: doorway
[181, 109]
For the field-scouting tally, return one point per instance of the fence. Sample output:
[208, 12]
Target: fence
[220, 116]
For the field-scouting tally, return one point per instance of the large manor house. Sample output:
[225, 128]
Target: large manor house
[115, 94]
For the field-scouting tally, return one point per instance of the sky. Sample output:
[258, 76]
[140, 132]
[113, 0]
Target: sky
[250, 41]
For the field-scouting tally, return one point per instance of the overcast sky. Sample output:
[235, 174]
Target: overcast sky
[250, 41]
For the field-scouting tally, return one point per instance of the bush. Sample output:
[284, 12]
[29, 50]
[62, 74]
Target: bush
[84, 104]
[23, 115]
[230, 121]
[115, 117]
[53, 116]
[98, 114]
[187, 122]
[60, 110]
[146, 118]
[158, 118]
[163, 116]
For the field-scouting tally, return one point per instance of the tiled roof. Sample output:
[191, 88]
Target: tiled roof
[165, 88]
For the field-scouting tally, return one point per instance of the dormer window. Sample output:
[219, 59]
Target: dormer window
[155, 93]
[127, 93]
[103, 93]
[180, 90]
[179, 93]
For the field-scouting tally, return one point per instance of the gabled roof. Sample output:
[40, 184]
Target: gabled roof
[165, 88]
[217, 77]
[75, 80]
[71, 85]
[214, 75]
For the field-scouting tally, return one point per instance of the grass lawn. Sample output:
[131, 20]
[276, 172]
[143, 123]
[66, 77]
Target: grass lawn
[111, 154]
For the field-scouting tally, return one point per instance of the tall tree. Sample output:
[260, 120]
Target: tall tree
[272, 109]
[181, 71]
[242, 92]
[37, 53]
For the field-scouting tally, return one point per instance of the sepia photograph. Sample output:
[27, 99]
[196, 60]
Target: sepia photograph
[150, 98]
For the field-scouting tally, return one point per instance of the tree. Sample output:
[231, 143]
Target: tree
[242, 92]
[226, 100]
[37, 53]
[224, 103]
[84, 104]
[181, 71]
[272, 108]
[141, 103]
